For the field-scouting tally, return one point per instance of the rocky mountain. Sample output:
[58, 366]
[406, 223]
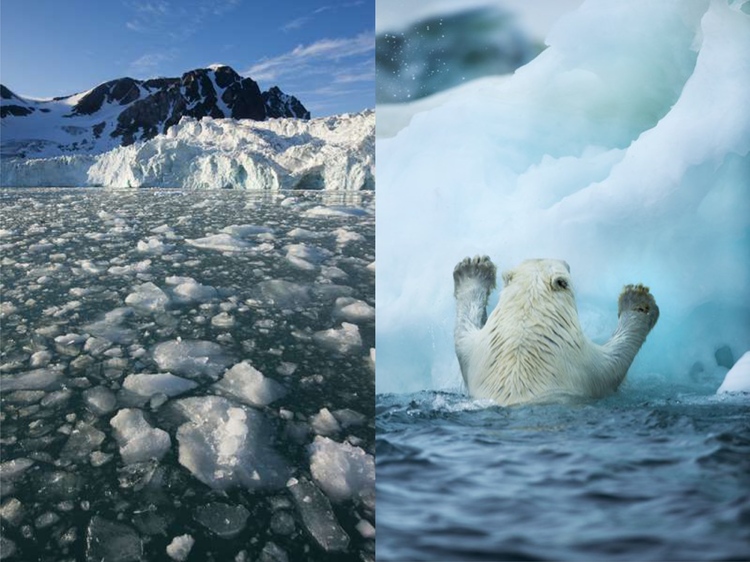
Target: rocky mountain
[123, 111]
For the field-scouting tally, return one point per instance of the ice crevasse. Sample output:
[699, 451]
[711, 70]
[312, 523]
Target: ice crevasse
[623, 149]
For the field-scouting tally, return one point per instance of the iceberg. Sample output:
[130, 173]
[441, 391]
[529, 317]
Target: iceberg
[622, 149]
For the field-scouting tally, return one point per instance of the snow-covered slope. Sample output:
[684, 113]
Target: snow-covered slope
[624, 148]
[123, 111]
[332, 153]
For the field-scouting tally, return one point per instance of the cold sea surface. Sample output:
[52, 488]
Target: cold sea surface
[641, 475]
[186, 375]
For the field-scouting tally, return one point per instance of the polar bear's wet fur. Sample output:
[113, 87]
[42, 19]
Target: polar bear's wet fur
[531, 348]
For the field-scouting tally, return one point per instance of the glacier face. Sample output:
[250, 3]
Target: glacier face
[623, 149]
[331, 153]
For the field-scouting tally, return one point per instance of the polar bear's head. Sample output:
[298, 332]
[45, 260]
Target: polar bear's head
[538, 285]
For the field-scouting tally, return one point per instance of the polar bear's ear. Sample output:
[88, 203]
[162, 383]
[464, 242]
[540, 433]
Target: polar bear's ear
[566, 265]
[507, 277]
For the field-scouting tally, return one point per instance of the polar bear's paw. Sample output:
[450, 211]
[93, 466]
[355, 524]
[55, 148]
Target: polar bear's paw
[477, 270]
[639, 299]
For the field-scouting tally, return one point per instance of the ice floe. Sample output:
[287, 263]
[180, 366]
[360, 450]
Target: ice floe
[248, 385]
[138, 440]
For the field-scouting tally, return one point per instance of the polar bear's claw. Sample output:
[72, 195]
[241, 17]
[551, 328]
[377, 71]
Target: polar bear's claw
[638, 298]
[478, 268]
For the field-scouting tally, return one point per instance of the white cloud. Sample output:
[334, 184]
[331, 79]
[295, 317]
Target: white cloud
[148, 64]
[306, 59]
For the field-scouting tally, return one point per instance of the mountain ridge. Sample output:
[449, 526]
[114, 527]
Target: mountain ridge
[122, 111]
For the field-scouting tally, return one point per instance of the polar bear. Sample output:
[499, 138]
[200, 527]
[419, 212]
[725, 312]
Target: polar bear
[531, 348]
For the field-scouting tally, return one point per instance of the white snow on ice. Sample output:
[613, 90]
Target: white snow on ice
[622, 149]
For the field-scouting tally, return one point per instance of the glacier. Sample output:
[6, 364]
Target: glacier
[622, 148]
[327, 153]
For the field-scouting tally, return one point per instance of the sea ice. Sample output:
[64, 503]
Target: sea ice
[353, 310]
[324, 423]
[107, 541]
[192, 358]
[179, 548]
[220, 242]
[248, 385]
[225, 521]
[138, 441]
[343, 340]
[111, 328]
[165, 383]
[83, 440]
[37, 379]
[224, 445]
[190, 290]
[246, 230]
[284, 293]
[342, 471]
[100, 400]
[317, 515]
[147, 298]
[738, 377]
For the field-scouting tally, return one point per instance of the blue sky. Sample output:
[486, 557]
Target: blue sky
[321, 51]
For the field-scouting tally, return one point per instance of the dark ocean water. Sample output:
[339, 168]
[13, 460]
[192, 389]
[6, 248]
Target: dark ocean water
[626, 478]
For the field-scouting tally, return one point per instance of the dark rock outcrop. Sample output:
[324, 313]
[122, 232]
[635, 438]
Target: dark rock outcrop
[130, 110]
[279, 104]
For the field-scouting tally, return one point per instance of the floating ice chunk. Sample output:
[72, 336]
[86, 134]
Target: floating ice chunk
[223, 320]
[177, 280]
[366, 529]
[245, 383]
[179, 548]
[148, 298]
[342, 471]
[192, 358]
[317, 515]
[349, 418]
[353, 310]
[111, 329]
[344, 340]
[285, 293]
[226, 521]
[245, 230]
[303, 234]
[164, 383]
[322, 211]
[12, 511]
[153, 245]
[305, 252]
[738, 377]
[137, 439]
[139, 267]
[224, 445]
[273, 553]
[221, 243]
[40, 358]
[83, 440]
[163, 229]
[70, 344]
[112, 542]
[100, 400]
[24, 396]
[344, 236]
[14, 468]
[192, 291]
[282, 523]
[38, 379]
[324, 423]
